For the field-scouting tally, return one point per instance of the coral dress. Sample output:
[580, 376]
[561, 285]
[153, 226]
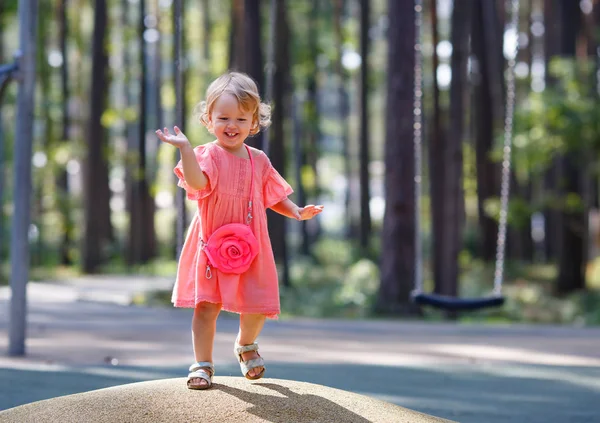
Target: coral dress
[225, 200]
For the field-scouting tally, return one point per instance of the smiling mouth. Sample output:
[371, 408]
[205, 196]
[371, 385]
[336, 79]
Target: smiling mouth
[231, 134]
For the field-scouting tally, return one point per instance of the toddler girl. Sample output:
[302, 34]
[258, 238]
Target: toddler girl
[219, 176]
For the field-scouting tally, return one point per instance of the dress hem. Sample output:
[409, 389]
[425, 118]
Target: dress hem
[268, 312]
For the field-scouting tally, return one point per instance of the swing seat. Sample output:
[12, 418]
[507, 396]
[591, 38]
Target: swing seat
[446, 302]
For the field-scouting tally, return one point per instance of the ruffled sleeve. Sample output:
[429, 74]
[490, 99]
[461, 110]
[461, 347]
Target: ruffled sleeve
[275, 189]
[207, 165]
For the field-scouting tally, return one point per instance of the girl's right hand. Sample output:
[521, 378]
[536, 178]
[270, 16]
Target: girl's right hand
[179, 139]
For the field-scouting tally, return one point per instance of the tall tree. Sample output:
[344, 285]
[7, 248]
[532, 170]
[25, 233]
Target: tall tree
[3, 80]
[436, 156]
[298, 154]
[520, 242]
[453, 207]
[281, 89]
[62, 181]
[573, 220]
[487, 114]
[98, 228]
[155, 85]
[344, 110]
[180, 113]
[245, 52]
[141, 220]
[552, 31]
[237, 53]
[156, 79]
[207, 24]
[44, 71]
[364, 155]
[311, 228]
[398, 247]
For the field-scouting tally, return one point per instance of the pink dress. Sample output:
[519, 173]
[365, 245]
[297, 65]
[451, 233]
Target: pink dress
[225, 200]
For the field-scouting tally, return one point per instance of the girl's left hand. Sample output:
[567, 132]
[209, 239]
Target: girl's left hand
[308, 212]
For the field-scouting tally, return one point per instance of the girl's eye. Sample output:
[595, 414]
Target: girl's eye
[242, 120]
[223, 118]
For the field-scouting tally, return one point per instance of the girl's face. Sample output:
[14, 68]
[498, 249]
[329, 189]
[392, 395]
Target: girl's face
[230, 124]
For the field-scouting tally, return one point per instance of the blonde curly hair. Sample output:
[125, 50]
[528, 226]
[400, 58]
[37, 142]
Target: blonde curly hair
[245, 90]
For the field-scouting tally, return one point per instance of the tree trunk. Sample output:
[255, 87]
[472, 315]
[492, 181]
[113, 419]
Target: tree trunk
[62, 182]
[156, 84]
[364, 155]
[436, 160]
[281, 84]
[2, 158]
[487, 48]
[98, 229]
[253, 65]
[398, 247]
[552, 31]
[207, 25]
[245, 53]
[297, 136]
[312, 121]
[237, 44]
[573, 223]
[343, 113]
[180, 113]
[44, 77]
[525, 190]
[453, 209]
[141, 220]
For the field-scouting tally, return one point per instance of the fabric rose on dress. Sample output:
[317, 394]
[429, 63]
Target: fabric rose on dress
[232, 248]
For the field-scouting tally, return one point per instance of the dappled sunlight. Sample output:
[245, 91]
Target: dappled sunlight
[497, 353]
[584, 378]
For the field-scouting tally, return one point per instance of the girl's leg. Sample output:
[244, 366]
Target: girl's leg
[204, 326]
[250, 327]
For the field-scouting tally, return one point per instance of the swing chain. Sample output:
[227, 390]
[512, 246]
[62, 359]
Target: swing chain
[506, 159]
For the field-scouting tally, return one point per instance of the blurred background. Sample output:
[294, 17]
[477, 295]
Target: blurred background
[340, 77]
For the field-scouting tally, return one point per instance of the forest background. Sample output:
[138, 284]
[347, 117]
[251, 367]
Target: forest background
[340, 77]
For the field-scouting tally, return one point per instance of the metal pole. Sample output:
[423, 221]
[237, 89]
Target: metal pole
[22, 177]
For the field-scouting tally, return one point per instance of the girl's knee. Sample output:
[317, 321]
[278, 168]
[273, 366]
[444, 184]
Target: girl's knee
[207, 311]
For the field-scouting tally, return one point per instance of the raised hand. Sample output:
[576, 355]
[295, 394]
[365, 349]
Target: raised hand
[178, 139]
[308, 212]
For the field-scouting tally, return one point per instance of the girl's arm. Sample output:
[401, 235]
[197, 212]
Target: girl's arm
[192, 172]
[289, 209]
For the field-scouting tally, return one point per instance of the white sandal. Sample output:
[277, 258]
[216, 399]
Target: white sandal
[247, 365]
[202, 370]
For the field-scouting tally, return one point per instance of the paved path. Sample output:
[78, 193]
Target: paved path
[467, 373]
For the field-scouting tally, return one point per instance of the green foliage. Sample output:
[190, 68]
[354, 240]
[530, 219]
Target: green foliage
[528, 290]
[564, 117]
[360, 285]
[336, 284]
[9, 10]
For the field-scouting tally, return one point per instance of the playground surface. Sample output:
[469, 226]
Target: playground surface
[82, 336]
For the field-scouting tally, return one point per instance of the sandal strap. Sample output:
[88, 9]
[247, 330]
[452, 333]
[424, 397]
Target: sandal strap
[246, 366]
[240, 349]
[202, 374]
[202, 365]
